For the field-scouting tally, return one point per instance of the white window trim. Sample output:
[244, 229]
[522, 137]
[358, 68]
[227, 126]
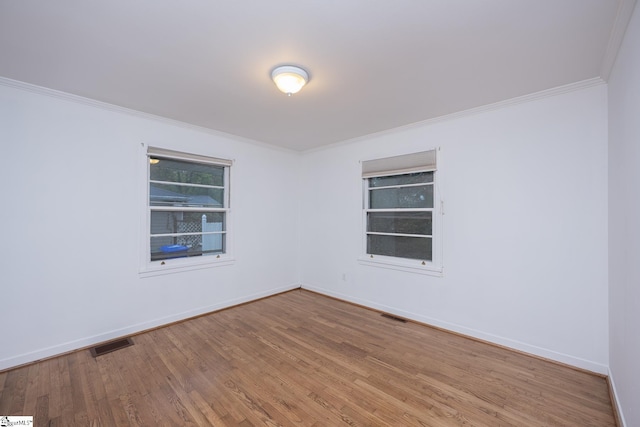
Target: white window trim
[434, 267]
[148, 268]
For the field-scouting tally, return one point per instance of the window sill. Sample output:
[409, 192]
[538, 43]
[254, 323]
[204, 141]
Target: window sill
[410, 266]
[178, 265]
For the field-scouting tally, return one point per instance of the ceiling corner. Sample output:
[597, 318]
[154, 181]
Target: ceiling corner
[625, 11]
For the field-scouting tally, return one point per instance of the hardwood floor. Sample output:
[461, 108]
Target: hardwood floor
[303, 359]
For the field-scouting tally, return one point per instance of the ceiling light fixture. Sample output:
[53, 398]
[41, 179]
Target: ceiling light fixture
[289, 78]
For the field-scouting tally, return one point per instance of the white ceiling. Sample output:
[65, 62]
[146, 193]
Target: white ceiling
[374, 64]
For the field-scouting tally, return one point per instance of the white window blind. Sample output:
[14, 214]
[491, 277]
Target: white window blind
[161, 152]
[423, 161]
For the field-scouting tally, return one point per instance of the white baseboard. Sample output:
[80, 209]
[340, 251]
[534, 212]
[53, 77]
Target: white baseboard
[59, 349]
[506, 342]
[614, 400]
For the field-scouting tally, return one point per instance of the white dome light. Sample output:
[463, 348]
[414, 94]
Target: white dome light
[289, 79]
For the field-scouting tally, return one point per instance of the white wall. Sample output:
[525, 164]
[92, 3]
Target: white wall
[71, 238]
[624, 223]
[525, 227]
[524, 247]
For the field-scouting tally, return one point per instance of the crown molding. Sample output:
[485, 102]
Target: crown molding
[65, 96]
[547, 93]
[559, 90]
[472, 111]
[625, 11]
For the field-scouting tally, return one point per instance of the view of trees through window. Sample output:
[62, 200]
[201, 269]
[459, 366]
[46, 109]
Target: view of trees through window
[399, 215]
[187, 208]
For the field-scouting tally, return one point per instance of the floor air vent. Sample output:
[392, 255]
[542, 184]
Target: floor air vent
[111, 346]
[397, 319]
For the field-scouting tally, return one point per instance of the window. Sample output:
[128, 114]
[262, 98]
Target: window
[188, 207]
[400, 210]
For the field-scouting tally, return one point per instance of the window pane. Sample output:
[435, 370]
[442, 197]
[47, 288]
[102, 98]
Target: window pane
[403, 197]
[400, 222]
[410, 178]
[172, 247]
[164, 222]
[164, 247]
[179, 171]
[401, 247]
[181, 195]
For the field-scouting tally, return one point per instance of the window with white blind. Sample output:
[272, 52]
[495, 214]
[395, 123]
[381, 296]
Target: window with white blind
[401, 211]
[187, 207]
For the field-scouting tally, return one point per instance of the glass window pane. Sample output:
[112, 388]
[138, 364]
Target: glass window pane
[174, 247]
[410, 178]
[181, 195]
[403, 197]
[186, 172]
[401, 247]
[164, 222]
[210, 239]
[400, 222]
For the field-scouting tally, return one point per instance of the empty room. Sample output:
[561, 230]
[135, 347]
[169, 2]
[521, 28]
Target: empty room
[320, 213]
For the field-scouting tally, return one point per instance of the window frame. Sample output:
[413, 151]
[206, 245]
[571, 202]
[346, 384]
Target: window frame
[433, 267]
[149, 267]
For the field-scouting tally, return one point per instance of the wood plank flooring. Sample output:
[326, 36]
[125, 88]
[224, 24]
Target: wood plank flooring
[302, 359]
